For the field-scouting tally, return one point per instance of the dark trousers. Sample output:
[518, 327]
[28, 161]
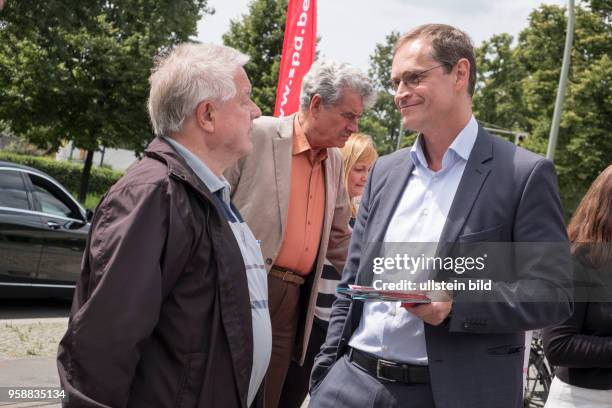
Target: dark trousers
[295, 388]
[347, 386]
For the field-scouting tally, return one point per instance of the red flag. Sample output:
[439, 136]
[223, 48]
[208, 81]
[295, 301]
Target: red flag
[298, 54]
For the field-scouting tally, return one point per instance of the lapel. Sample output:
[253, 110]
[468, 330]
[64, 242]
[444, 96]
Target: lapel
[282, 146]
[391, 194]
[474, 175]
[329, 192]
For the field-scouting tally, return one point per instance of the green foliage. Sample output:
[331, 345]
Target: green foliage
[383, 121]
[78, 70]
[259, 34]
[498, 101]
[91, 201]
[518, 86]
[67, 173]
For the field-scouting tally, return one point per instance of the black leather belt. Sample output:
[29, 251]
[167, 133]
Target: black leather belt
[389, 370]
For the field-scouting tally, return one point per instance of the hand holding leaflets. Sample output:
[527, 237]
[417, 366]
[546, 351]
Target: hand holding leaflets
[410, 297]
[438, 303]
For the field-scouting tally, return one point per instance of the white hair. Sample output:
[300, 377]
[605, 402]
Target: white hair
[187, 75]
[329, 79]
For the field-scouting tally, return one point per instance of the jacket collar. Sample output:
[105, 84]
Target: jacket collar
[177, 166]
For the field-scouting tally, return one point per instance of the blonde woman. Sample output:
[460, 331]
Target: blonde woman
[358, 155]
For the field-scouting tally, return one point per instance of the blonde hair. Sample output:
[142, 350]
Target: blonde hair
[358, 149]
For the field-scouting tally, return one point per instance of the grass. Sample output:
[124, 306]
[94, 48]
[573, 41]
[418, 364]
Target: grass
[91, 200]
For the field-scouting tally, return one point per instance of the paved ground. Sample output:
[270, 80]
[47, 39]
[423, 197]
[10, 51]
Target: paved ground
[29, 333]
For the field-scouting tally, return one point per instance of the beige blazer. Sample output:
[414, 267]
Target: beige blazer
[261, 185]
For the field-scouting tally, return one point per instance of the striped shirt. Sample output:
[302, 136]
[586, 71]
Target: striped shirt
[326, 295]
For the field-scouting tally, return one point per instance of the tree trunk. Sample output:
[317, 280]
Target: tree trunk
[85, 176]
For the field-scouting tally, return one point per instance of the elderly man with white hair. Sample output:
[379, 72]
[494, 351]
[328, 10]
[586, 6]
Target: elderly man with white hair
[290, 191]
[171, 308]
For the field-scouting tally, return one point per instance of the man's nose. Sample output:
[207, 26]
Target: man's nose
[255, 112]
[354, 125]
[402, 92]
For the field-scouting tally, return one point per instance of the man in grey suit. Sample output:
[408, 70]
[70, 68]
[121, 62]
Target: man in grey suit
[457, 184]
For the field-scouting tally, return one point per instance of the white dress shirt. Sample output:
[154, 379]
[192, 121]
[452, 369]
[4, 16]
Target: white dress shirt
[386, 329]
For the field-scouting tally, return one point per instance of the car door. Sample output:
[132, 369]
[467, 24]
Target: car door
[21, 235]
[65, 235]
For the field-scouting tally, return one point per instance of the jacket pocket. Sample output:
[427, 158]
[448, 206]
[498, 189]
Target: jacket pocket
[489, 234]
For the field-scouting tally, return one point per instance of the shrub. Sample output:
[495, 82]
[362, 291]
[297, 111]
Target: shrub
[67, 173]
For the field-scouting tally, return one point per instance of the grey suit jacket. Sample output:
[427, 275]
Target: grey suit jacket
[506, 194]
[260, 188]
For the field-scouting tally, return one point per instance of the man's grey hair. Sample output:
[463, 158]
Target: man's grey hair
[187, 75]
[329, 79]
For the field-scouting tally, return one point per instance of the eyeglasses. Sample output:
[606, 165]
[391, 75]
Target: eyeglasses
[410, 80]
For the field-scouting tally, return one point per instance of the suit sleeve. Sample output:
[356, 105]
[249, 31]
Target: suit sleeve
[540, 296]
[340, 309]
[118, 297]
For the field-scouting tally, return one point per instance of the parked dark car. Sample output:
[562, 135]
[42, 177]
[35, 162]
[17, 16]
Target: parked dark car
[43, 232]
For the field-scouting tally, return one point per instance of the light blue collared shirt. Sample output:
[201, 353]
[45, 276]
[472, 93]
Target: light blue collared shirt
[386, 329]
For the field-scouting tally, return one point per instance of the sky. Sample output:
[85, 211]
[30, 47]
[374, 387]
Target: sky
[350, 29]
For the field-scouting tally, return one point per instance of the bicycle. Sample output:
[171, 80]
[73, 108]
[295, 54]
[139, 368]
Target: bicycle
[539, 375]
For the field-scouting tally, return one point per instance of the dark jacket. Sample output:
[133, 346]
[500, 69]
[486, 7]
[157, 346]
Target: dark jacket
[161, 314]
[506, 194]
[581, 347]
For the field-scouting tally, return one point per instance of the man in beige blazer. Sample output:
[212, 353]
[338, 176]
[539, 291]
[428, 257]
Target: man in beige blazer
[290, 191]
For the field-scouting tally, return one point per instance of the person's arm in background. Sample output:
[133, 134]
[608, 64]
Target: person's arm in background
[566, 344]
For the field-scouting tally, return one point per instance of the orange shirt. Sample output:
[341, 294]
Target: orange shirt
[300, 245]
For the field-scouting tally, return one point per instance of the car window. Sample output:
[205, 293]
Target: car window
[52, 200]
[12, 190]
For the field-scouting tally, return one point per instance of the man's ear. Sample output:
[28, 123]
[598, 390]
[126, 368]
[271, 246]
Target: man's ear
[316, 103]
[205, 116]
[463, 73]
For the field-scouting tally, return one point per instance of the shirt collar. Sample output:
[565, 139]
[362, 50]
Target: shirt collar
[209, 178]
[301, 144]
[460, 147]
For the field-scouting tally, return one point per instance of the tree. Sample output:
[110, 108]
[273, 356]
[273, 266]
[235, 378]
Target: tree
[78, 70]
[260, 35]
[524, 80]
[383, 121]
[497, 100]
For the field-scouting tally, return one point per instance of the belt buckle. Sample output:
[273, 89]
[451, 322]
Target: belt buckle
[380, 363]
[285, 274]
